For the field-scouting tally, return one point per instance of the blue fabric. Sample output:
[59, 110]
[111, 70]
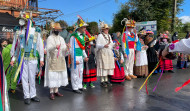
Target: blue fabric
[22, 39]
[38, 29]
[130, 38]
[28, 46]
[117, 61]
[138, 47]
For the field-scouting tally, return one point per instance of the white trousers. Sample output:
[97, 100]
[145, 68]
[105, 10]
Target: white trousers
[28, 78]
[77, 74]
[129, 63]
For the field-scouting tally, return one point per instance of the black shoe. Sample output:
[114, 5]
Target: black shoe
[35, 99]
[81, 89]
[170, 71]
[108, 83]
[27, 101]
[103, 84]
[77, 91]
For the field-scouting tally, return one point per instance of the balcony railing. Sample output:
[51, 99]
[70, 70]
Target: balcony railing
[18, 5]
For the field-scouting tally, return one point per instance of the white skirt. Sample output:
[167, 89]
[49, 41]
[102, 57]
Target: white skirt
[57, 79]
[104, 72]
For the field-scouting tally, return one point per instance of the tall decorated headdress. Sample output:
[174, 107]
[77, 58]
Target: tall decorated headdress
[128, 23]
[102, 25]
[80, 23]
[23, 16]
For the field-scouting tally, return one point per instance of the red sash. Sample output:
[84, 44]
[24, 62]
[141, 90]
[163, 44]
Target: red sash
[131, 44]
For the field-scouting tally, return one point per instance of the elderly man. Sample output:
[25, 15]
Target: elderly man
[105, 56]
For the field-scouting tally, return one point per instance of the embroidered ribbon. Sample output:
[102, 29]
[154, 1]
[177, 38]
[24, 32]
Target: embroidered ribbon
[81, 42]
[184, 84]
[19, 67]
[74, 55]
[2, 85]
[117, 60]
[39, 74]
[159, 78]
[58, 51]
[149, 75]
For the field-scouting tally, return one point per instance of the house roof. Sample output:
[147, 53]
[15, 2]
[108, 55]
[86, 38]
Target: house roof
[8, 20]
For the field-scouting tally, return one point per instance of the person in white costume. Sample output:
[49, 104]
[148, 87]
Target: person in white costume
[78, 54]
[105, 55]
[129, 39]
[183, 46]
[28, 40]
[56, 70]
[141, 64]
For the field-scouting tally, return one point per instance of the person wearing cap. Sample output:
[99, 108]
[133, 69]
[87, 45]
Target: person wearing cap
[152, 54]
[129, 39]
[56, 70]
[165, 64]
[78, 55]
[105, 55]
[27, 41]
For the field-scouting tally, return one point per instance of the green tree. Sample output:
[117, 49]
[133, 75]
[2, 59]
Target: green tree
[186, 27]
[118, 17]
[63, 23]
[70, 28]
[147, 10]
[93, 27]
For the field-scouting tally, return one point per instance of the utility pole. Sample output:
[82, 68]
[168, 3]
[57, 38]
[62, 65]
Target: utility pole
[174, 16]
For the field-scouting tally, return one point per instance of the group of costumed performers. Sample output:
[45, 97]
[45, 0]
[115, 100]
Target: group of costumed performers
[56, 70]
[105, 56]
[165, 64]
[130, 43]
[78, 55]
[27, 41]
[152, 54]
[141, 62]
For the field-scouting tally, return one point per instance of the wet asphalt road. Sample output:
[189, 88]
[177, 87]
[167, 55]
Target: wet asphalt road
[118, 98]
